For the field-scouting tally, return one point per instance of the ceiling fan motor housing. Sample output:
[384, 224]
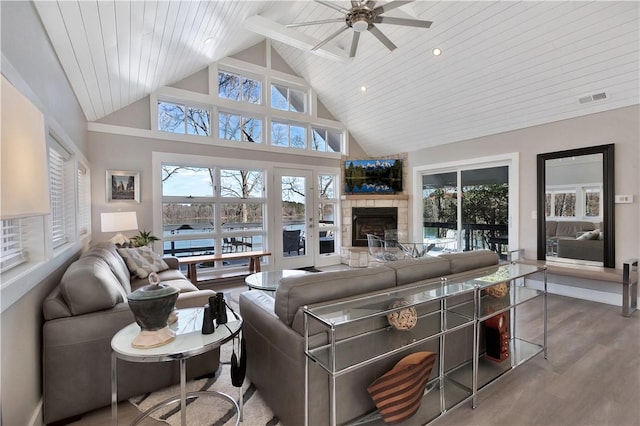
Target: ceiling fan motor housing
[360, 19]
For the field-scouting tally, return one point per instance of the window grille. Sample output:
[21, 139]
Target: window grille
[11, 252]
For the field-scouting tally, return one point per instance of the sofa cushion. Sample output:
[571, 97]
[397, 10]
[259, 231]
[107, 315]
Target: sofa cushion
[172, 277]
[550, 228]
[300, 290]
[424, 268]
[89, 285]
[109, 253]
[572, 228]
[468, 260]
[142, 261]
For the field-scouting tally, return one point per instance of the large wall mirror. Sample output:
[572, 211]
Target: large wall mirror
[575, 203]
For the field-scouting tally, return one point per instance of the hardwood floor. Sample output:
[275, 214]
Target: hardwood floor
[591, 376]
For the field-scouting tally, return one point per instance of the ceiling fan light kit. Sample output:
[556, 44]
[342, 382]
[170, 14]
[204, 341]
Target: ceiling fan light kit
[362, 17]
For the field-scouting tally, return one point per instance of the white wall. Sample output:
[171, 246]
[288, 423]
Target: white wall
[620, 127]
[29, 62]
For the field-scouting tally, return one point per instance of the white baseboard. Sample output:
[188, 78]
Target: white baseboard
[612, 297]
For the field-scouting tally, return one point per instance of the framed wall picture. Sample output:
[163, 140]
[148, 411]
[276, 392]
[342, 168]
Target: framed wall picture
[123, 186]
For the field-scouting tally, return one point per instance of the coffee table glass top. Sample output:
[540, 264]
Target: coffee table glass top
[268, 280]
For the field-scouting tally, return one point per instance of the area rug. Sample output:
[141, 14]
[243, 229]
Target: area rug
[211, 411]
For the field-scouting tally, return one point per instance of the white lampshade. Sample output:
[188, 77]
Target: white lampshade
[118, 222]
[25, 181]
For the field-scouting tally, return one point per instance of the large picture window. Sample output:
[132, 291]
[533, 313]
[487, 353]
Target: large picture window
[210, 210]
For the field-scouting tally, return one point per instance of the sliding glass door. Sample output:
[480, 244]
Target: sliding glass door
[466, 209]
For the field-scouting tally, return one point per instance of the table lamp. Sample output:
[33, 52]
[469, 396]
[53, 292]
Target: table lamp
[118, 222]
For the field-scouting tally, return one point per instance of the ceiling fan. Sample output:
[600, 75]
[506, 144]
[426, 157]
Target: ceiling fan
[362, 17]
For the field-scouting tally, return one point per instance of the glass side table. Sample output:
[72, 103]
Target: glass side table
[189, 342]
[268, 280]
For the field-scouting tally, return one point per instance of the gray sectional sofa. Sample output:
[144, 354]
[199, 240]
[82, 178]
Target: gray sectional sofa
[273, 329]
[575, 239]
[81, 316]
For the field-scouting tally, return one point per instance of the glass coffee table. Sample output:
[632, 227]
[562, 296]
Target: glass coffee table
[268, 280]
[189, 342]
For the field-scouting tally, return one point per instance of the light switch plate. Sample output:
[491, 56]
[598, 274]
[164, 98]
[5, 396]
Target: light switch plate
[624, 199]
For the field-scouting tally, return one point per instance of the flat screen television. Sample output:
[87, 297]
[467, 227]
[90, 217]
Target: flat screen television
[373, 176]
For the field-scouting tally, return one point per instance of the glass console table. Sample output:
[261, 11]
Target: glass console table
[358, 335]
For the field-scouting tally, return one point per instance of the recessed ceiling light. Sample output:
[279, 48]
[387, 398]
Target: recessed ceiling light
[436, 51]
[363, 88]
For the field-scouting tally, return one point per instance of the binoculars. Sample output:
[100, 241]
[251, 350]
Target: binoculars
[215, 310]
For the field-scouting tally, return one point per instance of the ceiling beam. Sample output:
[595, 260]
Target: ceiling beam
[263, 26]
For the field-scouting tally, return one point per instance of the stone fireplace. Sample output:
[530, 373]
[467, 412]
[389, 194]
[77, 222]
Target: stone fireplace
[356, 256]
[371, 220]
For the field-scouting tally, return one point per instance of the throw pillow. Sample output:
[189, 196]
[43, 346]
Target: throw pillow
[142, 261]
[595, 234]
[584, 236]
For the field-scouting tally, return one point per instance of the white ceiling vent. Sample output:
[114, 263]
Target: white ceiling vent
[600, 96]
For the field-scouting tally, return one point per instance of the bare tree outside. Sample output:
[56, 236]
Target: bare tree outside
[177, 118]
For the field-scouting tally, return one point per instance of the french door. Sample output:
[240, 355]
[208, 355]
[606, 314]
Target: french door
[294, 236]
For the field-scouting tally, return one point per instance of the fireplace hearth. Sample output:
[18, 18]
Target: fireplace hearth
[372, 220]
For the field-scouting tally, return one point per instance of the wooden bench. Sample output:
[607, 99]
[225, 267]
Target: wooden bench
[192, 261]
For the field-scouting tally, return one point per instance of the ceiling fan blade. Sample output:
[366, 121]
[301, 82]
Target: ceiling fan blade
[355, 3]
[354, 44]
[324, 21]
[390, 6]
[331, 37]
[370, 4]
[402, 21]
[333, 6]
[383, 38]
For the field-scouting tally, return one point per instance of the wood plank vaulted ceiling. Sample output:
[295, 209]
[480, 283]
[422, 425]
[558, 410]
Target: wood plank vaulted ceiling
[505, 65]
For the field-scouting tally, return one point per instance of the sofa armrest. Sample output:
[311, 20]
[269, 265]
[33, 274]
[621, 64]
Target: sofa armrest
[172, 262]
[194, 299]
[76, 364]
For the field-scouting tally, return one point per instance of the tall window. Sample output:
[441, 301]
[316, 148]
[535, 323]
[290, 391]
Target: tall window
[288, 99]
[328, 210]
[239, 88]
[11, 253]
[84, 200]
[61, 190]
[288, 135]
[592, 202]
[181, 118]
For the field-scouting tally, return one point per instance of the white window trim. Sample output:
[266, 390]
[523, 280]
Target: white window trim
[158, 158]
[213, 103]
[511, 160]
